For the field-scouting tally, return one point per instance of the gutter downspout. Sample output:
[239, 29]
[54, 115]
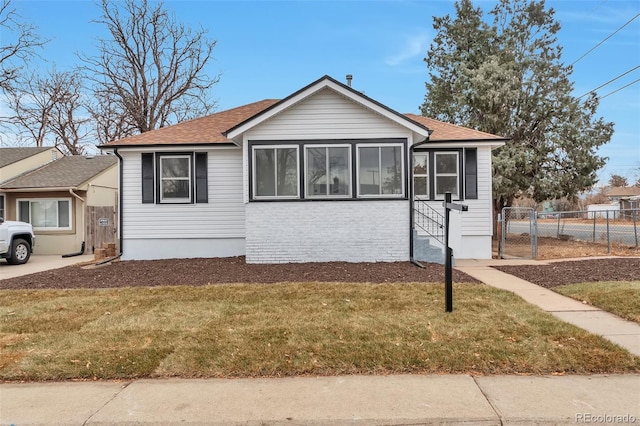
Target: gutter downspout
[120, 209]
[78, 253]
[412, 201]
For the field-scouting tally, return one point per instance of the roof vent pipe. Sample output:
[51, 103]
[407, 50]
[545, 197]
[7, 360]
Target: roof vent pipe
[349, 78]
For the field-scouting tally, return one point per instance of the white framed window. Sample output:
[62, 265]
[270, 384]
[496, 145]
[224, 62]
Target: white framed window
[421, 175]
[275, 171]
[327, 171]
[380, 170]
[175, 179]
[48, 214]
[446, 174]
[2, 208]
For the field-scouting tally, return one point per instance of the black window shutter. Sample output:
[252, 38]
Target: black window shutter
[471, 174]
[202, 187]
[148, 187]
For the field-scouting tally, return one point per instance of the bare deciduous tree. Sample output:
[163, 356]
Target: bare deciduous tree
[150, 73]
[17, 45]
[69, 121]
[49, 109]
[31, 103]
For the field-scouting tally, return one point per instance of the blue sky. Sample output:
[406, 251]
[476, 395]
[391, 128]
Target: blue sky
[269, 49]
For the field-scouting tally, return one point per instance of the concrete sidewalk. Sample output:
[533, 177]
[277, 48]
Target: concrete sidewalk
[344, 400]
[620, 331]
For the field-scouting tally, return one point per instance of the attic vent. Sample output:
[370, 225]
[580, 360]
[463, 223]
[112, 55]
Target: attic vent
[349, 78]
[54, 155]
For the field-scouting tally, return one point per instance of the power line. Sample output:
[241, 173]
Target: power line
[595, 8]
[617, 90]
[611, 35]
[609, 82]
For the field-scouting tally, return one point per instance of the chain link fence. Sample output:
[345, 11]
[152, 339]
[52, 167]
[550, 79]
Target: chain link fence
[518, 236]
[604, 229]
[527, 234]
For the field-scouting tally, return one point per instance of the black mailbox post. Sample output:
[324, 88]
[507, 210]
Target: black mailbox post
[448, 256]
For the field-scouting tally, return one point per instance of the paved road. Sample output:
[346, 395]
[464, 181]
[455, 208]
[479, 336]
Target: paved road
[619, 233]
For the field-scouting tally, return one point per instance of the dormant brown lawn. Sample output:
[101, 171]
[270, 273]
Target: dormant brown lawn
[619, 297]
[249, 330]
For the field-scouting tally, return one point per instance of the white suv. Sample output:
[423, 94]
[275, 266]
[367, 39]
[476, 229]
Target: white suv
[16, 241]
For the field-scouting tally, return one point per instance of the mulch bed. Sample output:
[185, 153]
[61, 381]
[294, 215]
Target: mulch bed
[143, 273]
[572, 272]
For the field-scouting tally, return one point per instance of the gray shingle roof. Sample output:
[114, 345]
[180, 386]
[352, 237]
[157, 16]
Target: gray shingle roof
[66, 172]
[12, 155]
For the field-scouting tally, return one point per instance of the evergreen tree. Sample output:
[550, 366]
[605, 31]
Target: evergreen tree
[507, 78]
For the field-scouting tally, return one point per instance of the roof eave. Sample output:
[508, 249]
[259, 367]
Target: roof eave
[41, 189]
[174, 146]
[493, 143]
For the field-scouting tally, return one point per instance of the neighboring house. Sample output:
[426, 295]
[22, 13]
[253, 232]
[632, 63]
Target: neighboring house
[609, 211]
[326, 174]
[15, 161]
[60, 200]
[628, 197]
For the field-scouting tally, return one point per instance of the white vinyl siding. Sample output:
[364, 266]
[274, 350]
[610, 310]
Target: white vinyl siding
[221, 217]
[327, 115]
[479, 219]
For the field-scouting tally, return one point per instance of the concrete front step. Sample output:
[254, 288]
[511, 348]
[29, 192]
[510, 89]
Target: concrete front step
[426, 251]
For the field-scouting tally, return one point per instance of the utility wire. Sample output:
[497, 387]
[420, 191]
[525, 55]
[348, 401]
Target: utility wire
[617, 90]
[610, 81]
[595, 8]
[611, 35]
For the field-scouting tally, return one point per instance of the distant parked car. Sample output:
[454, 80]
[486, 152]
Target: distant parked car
[16, 241]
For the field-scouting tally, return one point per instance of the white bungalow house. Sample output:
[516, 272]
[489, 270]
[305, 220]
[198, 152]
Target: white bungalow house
[325, 174]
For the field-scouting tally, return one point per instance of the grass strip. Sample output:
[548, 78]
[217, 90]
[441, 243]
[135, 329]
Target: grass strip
[290, 329]
[618, 297]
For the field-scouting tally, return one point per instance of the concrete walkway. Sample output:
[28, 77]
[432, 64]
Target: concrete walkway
[343, 400]
[620, 331]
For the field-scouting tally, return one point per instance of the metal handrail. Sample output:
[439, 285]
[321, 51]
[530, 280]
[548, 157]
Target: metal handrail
[429, 220]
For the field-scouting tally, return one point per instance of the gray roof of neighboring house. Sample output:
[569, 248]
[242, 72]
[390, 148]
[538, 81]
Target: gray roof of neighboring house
[12, 155]
[66, 172]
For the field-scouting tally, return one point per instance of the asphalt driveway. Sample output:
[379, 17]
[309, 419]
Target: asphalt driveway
[39, 263]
